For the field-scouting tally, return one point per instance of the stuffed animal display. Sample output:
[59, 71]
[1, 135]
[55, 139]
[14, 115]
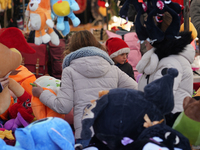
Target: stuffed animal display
[63, 10]
[126, 113]
[39, 12]
[9, 45]
[45, 134]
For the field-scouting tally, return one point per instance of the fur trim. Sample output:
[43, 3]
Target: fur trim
[172, 46]
[119, 52]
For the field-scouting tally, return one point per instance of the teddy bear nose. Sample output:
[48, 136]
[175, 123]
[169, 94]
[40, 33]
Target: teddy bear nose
[31, 5]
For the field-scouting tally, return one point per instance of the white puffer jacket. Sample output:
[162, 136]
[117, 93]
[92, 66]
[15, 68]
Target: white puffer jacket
[82, 78]
[183, 84]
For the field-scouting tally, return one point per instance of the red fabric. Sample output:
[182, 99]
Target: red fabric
[115, 44]
[196, 86]
[82, 5]
[101, 3]
[181, 2]
[13, 38]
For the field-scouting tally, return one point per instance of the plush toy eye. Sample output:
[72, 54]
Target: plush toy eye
[177, 140]
[29, 105]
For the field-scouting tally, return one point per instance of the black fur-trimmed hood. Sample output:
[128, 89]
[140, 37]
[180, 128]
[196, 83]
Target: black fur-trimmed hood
[173, 46]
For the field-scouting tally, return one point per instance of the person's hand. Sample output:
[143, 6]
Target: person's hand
[37, 90]
[4, 82]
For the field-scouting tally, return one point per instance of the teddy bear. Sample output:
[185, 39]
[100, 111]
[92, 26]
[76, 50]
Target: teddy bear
[64, 10]
[40, 20]
[127, 113]
[11, 40]
[47, 133]
[188, 122]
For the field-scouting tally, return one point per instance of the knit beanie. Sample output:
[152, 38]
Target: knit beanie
[116, 46]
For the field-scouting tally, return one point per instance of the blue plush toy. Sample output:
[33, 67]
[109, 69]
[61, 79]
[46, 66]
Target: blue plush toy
[63, 9]
[45, 134]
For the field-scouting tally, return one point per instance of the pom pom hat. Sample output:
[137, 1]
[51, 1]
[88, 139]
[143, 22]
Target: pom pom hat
[116, 46]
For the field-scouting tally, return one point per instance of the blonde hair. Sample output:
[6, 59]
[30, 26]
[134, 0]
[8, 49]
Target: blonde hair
[81, 39]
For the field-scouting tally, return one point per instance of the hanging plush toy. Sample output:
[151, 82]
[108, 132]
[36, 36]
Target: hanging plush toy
[10, 39]
[39, 12]
[45, 134]
[63, 9]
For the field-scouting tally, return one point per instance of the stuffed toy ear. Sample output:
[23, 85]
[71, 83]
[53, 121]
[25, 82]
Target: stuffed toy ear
[60, 140]
[141, 31]
[24, 136]
[91, 112]
[160, 91]
[13, 38]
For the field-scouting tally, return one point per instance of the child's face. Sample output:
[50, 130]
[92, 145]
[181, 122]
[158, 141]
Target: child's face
[120, 58]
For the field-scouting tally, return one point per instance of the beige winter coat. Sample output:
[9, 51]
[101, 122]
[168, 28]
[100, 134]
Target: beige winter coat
[80, 83]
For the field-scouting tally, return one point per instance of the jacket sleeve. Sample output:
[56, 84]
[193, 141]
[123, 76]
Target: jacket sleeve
[125, 81]
[63, 102]
[195, 15]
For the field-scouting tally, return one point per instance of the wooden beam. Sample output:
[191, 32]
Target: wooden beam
[186, 15]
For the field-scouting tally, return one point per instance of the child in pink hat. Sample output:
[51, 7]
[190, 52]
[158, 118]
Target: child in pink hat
[118, 51]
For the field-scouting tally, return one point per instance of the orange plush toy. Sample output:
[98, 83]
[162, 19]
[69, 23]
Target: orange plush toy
[39, 12]
[11, 39]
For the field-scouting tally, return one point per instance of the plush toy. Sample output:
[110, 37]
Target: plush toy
[64, 10]
[45, 134]
[121, 112]
[39, 109]
[159, 137]
[23, 104]
[10, 39]
[188, 122]
[40, 20]
[6, 4]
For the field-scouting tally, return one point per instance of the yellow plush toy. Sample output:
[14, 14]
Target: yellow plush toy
[11, 39]
[191, 28]
[40, 20]
[6, 4]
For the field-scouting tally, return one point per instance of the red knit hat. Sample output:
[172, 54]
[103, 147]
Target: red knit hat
[116, 46]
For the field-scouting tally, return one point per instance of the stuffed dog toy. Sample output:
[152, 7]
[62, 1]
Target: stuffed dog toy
[40, 20]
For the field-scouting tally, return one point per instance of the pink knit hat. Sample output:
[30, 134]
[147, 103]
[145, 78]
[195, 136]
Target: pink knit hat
[116, 46]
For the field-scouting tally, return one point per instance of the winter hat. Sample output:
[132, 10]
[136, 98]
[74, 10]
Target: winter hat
[116, 46]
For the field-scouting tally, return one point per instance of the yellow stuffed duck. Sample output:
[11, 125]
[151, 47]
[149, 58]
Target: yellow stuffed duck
[39, 12]
[11, 40]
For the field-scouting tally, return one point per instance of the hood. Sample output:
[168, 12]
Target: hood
[189, 53]
[89, 61]
[91, 66]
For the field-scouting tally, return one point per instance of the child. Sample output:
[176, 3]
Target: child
[86, 70]
[118, 51]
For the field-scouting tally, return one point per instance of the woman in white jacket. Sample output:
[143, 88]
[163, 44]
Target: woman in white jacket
[87, 70]
[178, 54]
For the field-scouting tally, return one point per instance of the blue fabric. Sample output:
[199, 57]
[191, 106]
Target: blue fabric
[84, 143]
[85, 52]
